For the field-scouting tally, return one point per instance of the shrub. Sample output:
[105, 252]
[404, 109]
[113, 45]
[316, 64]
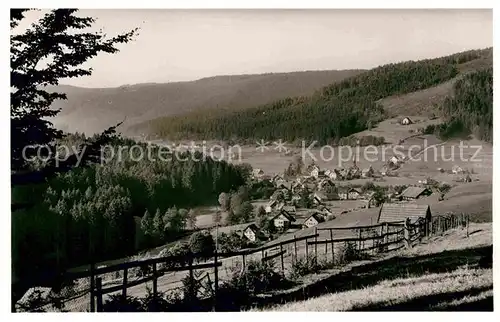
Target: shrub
[348, 252]
[120, 303]
[202, 243]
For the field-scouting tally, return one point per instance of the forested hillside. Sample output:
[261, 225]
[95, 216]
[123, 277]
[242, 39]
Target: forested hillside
[471, 106]
[333, 112]
[89, 213]
[93, 109]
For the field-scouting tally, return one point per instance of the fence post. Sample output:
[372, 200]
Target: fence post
[316, 243]
[407, 233]
[333, 248]
[124, 289]
[359, 239]
[92, 287]
[244, 263]
[385, 236]
[282, 262]
[307, 252]
[430, 227]
[99, 294]
[155, 281]
[216, 280]
[467, 225]
[191, 277]
[295, 247]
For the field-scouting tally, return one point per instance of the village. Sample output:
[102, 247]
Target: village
[314, 196]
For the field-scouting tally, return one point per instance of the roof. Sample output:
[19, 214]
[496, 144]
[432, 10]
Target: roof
[391, 212]
[316, 215]
[413, 192]
[257, 171]
[289, 208]
[284, 213]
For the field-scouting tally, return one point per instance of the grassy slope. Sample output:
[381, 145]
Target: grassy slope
[424, 102]
[93, 109]
[439, 274]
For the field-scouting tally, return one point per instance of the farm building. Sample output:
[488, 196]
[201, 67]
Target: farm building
[320, 197]
[257, 173]
[253, 233]
[282, 220]
[313, 170]
[277, 178]
[313, 220]
[353, 194]
[290, 209]
[325, 184]
[412, 193]
[346, 193]
[274, 205]
[282, 184]
[456, 169]
[368, 172]
[406, 121]
[394, 212]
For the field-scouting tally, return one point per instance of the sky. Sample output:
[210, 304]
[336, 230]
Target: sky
[184, 45]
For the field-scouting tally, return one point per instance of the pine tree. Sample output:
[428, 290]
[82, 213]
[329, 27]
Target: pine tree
[158, 226]
[147, 226]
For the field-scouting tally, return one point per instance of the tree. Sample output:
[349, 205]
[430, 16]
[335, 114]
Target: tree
[147, 224]
[202, 242]
[224, 201]
[53, 48]
[245, 212]
[260, 217]
[379, 197]
[158, 226]
[191, 218]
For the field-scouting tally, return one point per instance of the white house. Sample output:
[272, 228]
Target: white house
[283, 220]
[353, 194]
[251, 232]
[406, 121]
[313, 220]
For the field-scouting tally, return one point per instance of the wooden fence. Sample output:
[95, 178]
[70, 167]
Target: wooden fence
[372, 239]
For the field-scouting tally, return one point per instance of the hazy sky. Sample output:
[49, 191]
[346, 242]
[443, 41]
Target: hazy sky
[179, 45]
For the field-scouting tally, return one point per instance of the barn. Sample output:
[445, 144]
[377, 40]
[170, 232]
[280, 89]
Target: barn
[396, 212]
[412, 193]
[406, 121]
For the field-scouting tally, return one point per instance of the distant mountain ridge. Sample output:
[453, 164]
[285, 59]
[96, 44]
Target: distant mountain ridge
[91, 110]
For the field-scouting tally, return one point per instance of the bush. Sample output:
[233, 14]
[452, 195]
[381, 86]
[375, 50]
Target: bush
[120, 303]
[305, 266]
[348, 252]
[202, 243]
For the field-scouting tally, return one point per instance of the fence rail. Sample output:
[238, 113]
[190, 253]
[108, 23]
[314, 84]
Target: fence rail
[381, 236]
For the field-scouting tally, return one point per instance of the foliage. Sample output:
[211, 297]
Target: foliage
[52, 48]
[119, 303]
[304, 266]
[348, 252]
[364, 140]
[202, 242]
[352, 103]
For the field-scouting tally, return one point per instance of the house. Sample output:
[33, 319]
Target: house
[394, 160]
[283, 220]
[257, 173]
[290, 209]
[456, 169]
[333, 174]
[253, 233]
[314, 171]
[325, 211]
[313, 220]
[397, 212]
[384, 170]
[319, 197]
[368, 172]
[274, 205]
[282, 184]
[353, 194]
[277, 178]
[326, 185]
[346, 193]
[467, 179]
[412, 193]
[343, 193]
[406, 121]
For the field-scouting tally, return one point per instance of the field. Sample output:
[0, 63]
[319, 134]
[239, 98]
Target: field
[439, 274]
